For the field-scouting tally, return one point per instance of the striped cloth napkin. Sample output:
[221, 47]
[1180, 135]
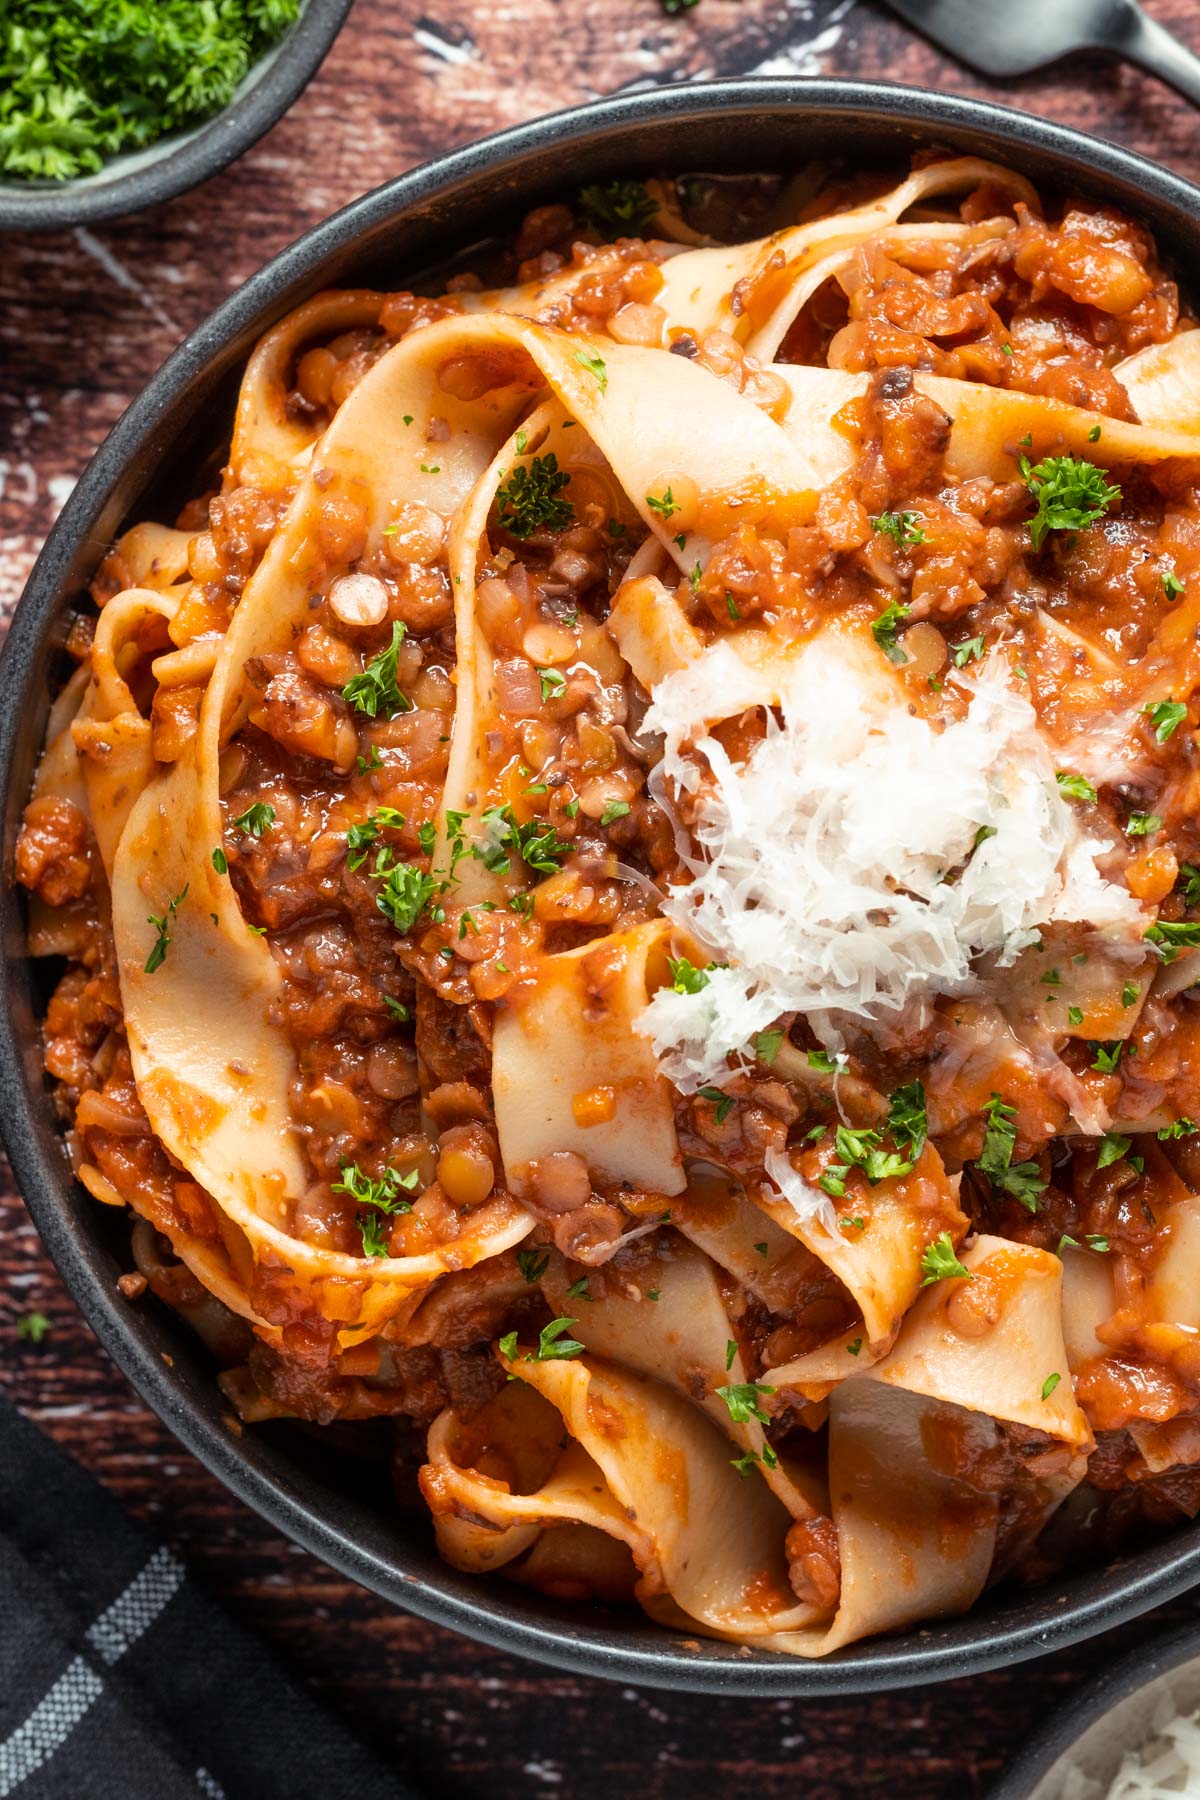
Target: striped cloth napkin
[121, 1680]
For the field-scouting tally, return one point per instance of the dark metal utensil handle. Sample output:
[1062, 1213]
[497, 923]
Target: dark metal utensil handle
[1145, 42]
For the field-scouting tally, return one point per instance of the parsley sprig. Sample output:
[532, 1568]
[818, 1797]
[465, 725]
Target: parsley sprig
[530, 499]
[939, 1262]
[553, 1344]
[686, 978]
[902, 527]
[536, 843]
[864, 1148]
[364, 832]
[742, 1400]
[1022, 1181]
[375, 691]
[617, 208]
[1070, 494]
[380, 1195]
[255, 820]
[883, 630]
[405, 894]
[162, 924]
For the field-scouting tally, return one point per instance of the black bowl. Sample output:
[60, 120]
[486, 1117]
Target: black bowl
[1109, 1716]
[147, 464]
[183, 159]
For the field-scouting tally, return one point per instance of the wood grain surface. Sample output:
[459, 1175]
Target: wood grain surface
[85, 317]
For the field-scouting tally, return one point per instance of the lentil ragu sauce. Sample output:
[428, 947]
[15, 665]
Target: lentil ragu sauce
[391, 981]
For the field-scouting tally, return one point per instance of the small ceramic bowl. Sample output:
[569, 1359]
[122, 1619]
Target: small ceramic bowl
[182, 160]
[1116, 1713]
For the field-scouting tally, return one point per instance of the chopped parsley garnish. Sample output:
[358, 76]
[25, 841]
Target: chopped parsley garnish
[364, 764]
[749, 1459]
[220, 861]
[665, 505]
[1178, 1128]
[1049, 1385]
[730, 1354]
[1070, 494]
[1129, 993]
[530, 499]
[1075, 787]
[363, 833]
[405, 894]
[1097, 1243]
[1022, 1181]
[578, 1290]
[1189, 880]
[821, 1059]
[1172, 586]
[375, 691]
[902, 527]
[1142, 824]
[595, 366]
[85, 80]
[1113, 1146]
[1170, 937]
[686, 978]
[766, 1045]
[965, 652]
[536, 843]
[1164, 715]
[742, 1399]
[554, 683]
[158, 952]
[533, 1264]
[853, 1348]
[833, 1179]
[863, 1148]
[940, 1263]
[722, 1102]
[1074, 1015]
[382, 1195]
[614, 810]
[553, 1345]
[731, 604]
[255, 820]
[1107, 1057]
[397, 1009]
[33, 1327]
[617, 208]
[883, 630]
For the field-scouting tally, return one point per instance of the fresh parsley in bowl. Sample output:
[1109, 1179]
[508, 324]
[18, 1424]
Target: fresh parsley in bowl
[109, 105]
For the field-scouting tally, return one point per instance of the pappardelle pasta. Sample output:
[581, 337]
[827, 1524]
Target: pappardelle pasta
[630, 891]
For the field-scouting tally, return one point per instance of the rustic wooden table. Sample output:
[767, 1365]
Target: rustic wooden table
[85, 317]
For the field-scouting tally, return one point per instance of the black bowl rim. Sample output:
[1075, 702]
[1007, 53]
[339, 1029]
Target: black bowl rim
[962, 1647]
[202, 152]
[1070, 1723]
